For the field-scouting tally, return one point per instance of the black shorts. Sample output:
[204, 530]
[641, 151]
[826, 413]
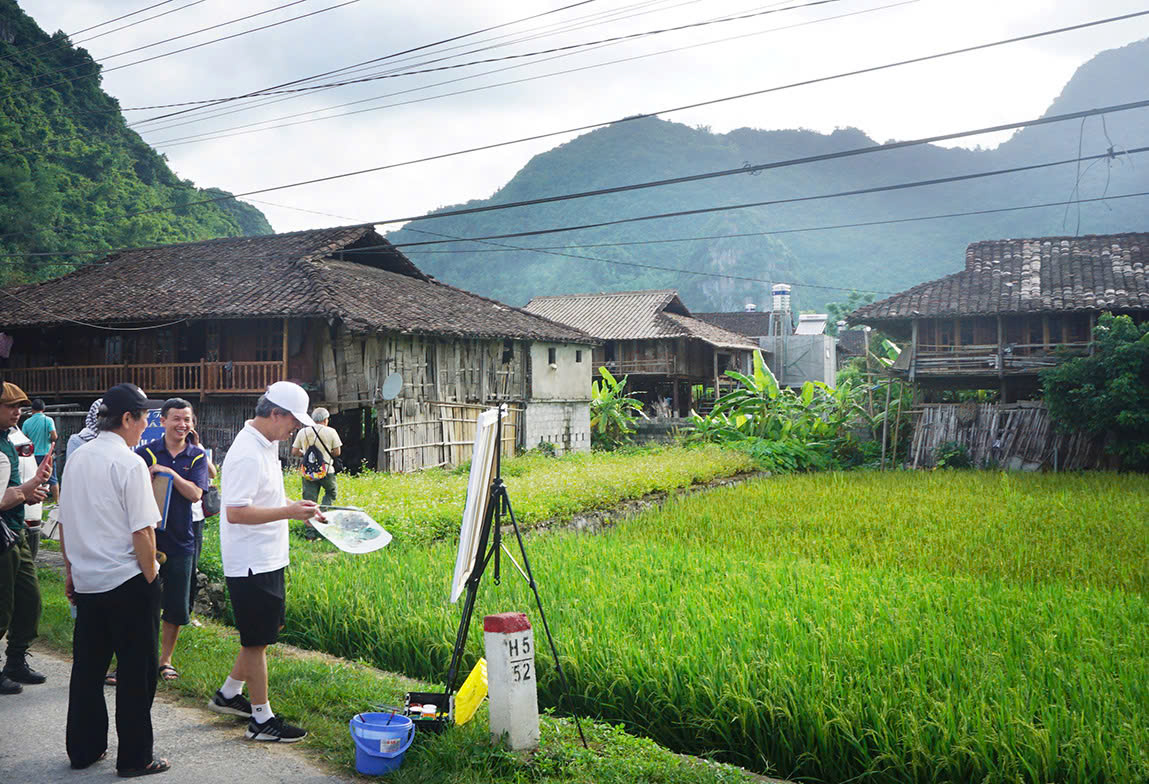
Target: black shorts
[259, 604]
[177, 577]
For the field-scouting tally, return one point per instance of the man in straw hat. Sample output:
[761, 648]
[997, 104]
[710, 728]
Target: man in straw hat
[19, 587]
[108, 515]
[254, 549]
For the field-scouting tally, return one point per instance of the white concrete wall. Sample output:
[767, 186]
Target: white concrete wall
[564, 424]
[568, 380]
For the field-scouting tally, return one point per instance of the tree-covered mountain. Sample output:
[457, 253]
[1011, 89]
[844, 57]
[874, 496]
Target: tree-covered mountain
[70, 166]
[884, 258]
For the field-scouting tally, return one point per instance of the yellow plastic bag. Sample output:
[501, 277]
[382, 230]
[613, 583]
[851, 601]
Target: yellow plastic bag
[471, 696]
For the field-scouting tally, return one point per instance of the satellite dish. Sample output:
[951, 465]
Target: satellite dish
[391, 386]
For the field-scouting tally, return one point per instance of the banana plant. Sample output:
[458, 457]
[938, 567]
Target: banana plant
[613, 411]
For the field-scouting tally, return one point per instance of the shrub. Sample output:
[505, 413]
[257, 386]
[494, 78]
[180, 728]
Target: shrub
[952, 454]
[1107, 393]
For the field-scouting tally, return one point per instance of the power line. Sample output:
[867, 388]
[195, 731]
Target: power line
[800, 230]
[117, 110]
[551, 252]
[149, 46]
[642, 265]
[774, 202]
[753, 169]
[180, 51]
[519, 56]
[578, 23]
[50, 41]
[637, 186]
[133, 24]
[699, 238]
[223, 133]
[377, 59]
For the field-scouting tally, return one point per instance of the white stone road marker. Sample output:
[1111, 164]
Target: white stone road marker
[512, 684]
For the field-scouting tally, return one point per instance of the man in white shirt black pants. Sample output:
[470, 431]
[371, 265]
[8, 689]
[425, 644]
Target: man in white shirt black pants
[108, 515]
[254, 548]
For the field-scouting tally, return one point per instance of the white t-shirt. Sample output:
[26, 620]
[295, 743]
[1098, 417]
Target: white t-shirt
[106, 497]
[252, 476]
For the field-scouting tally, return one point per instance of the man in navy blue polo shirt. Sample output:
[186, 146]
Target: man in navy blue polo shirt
[187, 464]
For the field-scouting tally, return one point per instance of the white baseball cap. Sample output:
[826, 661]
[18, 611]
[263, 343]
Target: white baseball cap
[291, 397]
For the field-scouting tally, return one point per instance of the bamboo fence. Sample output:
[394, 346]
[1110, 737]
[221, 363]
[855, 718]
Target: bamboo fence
[1009, 435]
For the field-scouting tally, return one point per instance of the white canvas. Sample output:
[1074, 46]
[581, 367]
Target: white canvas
[478, 497]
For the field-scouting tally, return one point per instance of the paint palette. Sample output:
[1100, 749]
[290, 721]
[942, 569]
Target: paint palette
[352, 531]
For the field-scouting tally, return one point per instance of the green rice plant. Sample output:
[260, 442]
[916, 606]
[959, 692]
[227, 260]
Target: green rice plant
[943, 627]
[421, 507]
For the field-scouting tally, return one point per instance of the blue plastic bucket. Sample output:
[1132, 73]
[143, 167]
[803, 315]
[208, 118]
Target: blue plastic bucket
[381, 739]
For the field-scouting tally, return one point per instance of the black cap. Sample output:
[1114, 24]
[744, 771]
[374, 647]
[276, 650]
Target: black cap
[123, 398]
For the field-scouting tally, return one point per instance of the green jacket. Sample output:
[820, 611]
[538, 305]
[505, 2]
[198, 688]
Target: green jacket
[14, 517]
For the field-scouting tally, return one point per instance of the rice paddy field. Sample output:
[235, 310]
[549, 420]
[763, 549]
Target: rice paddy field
[424, 506]
[857, 627]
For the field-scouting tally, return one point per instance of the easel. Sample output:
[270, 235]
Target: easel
[491, 534]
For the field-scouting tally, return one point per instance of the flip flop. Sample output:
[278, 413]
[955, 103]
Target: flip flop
[110, 678]
[155, 766]
[168, 672]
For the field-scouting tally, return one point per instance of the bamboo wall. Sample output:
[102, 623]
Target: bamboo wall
[1007, 435]
[446, 384]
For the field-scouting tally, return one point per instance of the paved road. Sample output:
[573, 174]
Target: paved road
[203, 747]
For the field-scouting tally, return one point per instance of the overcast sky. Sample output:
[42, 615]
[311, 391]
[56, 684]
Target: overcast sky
[966, 91]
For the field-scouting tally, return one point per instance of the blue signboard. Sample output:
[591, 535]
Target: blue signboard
[154, 429]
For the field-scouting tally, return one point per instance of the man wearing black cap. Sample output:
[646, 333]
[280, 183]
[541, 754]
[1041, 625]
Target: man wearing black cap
[108, 515]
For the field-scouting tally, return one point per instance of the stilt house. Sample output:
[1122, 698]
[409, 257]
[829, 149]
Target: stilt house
[1017, 307]
[338, 310]
[651, 337]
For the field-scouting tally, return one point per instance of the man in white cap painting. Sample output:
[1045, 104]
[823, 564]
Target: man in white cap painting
[254, 548]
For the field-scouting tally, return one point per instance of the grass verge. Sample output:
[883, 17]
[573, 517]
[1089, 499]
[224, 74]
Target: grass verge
[323, 693]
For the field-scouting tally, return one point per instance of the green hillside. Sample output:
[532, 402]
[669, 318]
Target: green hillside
[884, 258]
[69, 165]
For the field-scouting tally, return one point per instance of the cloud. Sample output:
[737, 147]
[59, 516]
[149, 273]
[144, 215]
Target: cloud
[966, 91]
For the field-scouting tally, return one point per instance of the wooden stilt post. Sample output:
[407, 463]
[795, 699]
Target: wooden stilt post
[283, 372]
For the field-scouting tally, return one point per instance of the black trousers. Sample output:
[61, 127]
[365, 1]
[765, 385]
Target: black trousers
[123, 621]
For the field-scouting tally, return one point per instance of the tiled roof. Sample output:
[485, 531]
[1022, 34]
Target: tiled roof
[410, 305]
[754, 325]
[634, 315]
[852, 342]
[316, 273]
[1043, 275]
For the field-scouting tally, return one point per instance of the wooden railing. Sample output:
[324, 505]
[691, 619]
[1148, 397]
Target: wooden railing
[191, 378]
[658, 365]
[990, 358]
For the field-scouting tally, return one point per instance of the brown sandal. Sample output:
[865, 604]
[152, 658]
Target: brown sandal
[168, 672]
